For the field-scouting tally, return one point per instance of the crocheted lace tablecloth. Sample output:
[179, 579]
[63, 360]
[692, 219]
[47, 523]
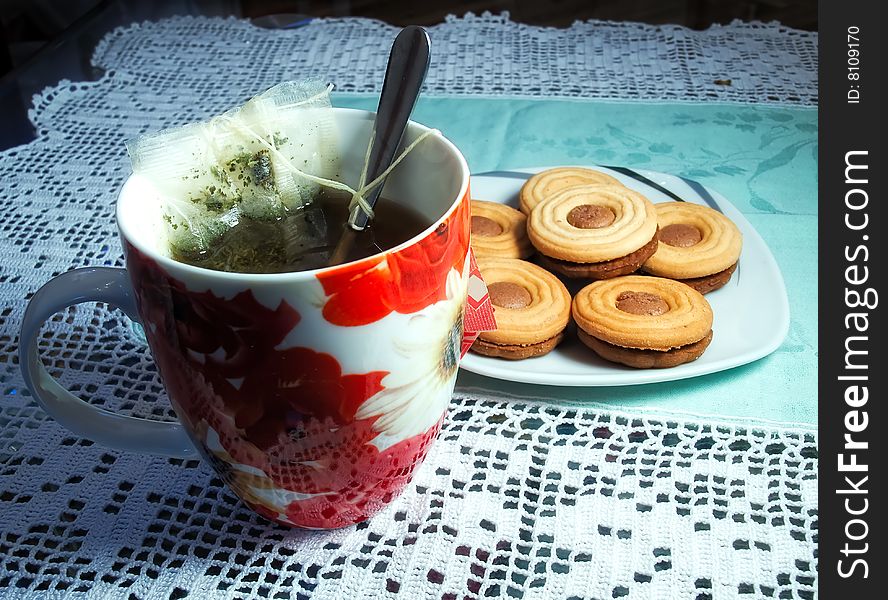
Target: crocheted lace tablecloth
[517, 499]
[741, 62]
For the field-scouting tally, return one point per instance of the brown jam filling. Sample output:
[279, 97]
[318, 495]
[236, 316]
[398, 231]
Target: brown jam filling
[680, 235]
[642, 303]
[509, 295]
[485, 227]
[590, 216]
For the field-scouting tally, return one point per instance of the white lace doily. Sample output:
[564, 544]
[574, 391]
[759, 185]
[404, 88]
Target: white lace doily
[489, 55]
[516, 500]
[513, 501]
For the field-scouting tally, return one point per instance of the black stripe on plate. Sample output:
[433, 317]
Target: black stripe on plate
[703, 193]
[506, 174]
[639, 177]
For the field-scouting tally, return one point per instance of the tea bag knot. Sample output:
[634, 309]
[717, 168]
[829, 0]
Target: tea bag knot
[364, 188]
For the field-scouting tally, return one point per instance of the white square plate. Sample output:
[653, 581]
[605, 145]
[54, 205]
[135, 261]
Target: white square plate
[751, 313]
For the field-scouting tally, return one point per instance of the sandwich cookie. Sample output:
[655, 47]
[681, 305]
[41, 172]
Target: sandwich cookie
[499, 230]
[548, 182]
[594, 231]
[643, 322]
[698, 246]
[531, 307]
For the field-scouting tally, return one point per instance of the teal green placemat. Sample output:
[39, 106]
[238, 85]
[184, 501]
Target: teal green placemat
[763, 159]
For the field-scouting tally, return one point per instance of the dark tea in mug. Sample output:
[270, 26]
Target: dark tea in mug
[304, 238]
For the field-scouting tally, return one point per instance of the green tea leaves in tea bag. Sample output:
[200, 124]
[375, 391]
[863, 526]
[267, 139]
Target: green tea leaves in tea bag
[260, 161]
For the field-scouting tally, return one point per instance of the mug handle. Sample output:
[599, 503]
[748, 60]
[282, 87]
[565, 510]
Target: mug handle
[92, 284]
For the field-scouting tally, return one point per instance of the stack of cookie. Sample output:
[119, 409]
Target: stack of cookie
[645, 268]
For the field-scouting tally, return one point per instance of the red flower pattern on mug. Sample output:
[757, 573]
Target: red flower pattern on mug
[278, 425]
[405, 281]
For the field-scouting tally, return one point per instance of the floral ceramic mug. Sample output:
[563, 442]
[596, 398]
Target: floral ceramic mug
[314, 395]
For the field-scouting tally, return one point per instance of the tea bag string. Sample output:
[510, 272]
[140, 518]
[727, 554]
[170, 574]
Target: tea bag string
[357, 195]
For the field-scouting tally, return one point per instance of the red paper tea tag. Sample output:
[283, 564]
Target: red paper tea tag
[478, 315]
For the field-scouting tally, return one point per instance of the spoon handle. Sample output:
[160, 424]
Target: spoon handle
[406, 71]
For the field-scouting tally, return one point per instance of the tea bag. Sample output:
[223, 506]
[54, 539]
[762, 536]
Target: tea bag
[261, 161]
[257, 161]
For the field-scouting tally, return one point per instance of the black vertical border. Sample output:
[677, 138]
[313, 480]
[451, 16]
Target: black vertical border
[852, 127]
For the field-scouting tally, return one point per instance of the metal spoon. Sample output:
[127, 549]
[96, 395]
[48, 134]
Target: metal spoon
[404, 76]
